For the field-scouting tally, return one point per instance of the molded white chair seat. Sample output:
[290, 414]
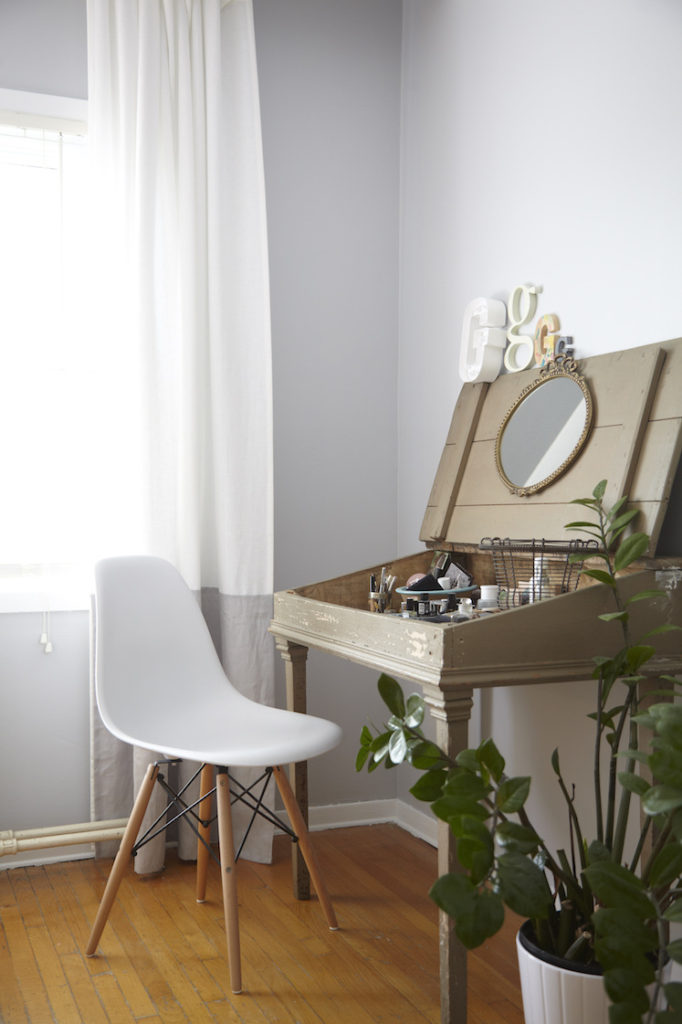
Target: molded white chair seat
[160, 685]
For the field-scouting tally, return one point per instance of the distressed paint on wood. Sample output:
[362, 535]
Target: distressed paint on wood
[635, 443]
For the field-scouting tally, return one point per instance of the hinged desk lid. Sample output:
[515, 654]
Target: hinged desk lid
[634, 443]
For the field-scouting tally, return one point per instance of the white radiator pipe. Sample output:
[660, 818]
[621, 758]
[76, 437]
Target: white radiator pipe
[15, 841]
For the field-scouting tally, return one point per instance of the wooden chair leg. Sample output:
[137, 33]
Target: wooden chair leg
[229, 879]
[206, 785]
[301, 829]
[122, 857]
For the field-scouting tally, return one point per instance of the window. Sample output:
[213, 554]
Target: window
[46, 356]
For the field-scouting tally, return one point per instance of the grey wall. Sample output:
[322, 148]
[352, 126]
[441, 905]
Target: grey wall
[330, 91]
[44, 707]
[43, 47]
[329, 76]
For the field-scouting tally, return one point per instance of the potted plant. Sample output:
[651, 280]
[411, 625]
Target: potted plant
[599, 905]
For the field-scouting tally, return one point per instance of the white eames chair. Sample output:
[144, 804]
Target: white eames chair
[160, 685]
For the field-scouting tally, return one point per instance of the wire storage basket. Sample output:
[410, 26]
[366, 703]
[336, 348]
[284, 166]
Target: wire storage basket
[534, 570]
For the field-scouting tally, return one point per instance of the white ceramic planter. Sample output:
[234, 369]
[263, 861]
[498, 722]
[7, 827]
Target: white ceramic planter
[555, 995]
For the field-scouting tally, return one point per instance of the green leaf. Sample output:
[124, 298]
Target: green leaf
[489, 755]
[449, 808]
[427, 755]
[638, 655]
[615, 886]
[674, 950]
[673, 997]
[618, 524]
[462, 783]
[633, 783]
[397, 747]
[633, 547]
[511, 836]
[622, 937]
[662, 800]
[601, 576]
[476, 857]
[599, 491]
[613, 616]
[628, 995]
[379, 746]
[474, 848]
[597, 851]
[365, 736]
[414, 715]
[666, 766]
[512, 794]
[523, 886]
[616, 507]
[361, 757]
[644, 595]
[674, 911]
[477, 914]
[622, 1013]
[429, 786]
[588, 502]
[468, 759]
[392, 694]
[667, 866]
[555, 761]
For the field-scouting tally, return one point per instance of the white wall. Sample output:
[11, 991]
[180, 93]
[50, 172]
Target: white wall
[540, 143]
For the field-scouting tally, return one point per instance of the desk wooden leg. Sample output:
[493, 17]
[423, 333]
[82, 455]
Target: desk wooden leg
[294, 656]
[451, 714]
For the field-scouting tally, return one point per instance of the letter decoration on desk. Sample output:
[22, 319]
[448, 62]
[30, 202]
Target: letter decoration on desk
[487, 344]
[483, 340]
[523, 302]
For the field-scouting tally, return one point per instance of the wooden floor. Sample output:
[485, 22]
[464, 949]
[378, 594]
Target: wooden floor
[162, 955]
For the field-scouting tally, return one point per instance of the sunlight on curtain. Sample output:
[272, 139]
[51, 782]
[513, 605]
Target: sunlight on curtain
[184, 308]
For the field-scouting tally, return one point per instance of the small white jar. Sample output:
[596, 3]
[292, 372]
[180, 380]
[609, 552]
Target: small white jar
[488, 599]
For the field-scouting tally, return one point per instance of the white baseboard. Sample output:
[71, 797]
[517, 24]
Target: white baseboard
[375, 812]
[365, 812]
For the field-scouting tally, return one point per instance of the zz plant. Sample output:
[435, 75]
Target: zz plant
[598, 901]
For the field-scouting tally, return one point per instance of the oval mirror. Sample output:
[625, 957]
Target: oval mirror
[545, 429]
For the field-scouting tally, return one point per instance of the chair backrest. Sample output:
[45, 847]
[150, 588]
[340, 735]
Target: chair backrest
[152, 645]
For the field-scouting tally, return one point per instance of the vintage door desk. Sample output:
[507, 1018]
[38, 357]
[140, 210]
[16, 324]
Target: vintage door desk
[634, 442]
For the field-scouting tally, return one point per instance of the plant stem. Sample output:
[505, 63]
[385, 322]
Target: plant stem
[597, 762]
[575, 824]
[640, 844]
[626, 795]
[661, 840]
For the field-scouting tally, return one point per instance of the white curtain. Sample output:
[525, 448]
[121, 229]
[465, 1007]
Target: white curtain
[182, 305]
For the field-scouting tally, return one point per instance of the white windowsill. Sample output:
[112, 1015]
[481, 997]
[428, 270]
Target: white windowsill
[32, 589]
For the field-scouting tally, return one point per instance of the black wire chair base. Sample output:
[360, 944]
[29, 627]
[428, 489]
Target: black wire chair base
[188, 813]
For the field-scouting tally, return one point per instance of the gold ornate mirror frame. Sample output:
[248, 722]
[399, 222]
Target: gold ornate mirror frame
[563, 367]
